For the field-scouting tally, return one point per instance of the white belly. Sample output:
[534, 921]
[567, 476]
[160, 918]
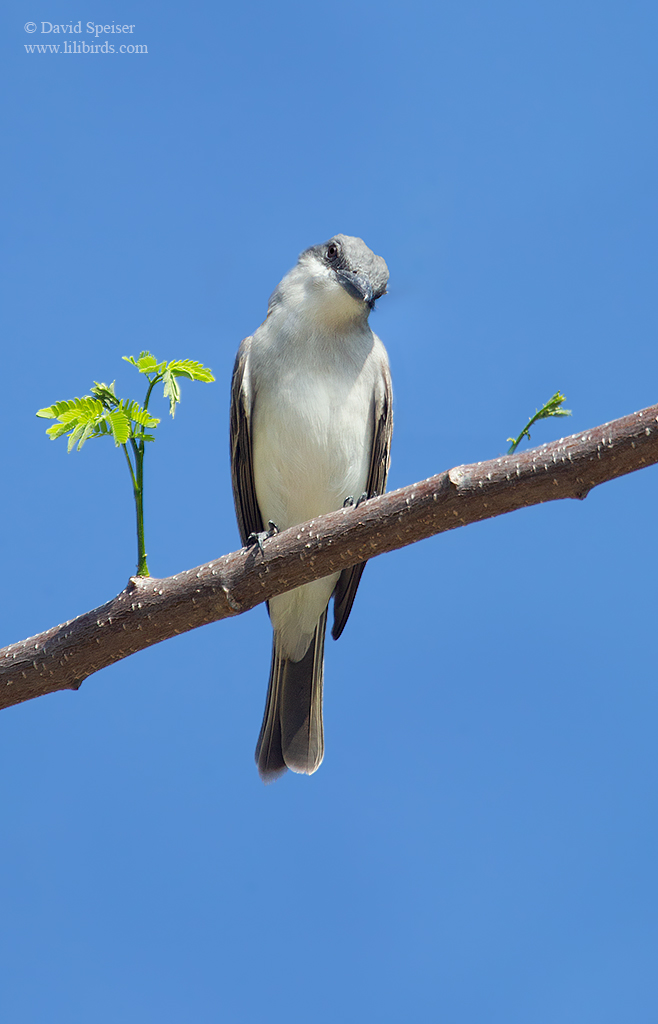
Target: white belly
[311, 450]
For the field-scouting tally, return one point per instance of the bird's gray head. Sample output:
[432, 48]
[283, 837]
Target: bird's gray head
[336, 282]
[348, 260]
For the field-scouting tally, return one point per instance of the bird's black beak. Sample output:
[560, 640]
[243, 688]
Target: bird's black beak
[357, 285]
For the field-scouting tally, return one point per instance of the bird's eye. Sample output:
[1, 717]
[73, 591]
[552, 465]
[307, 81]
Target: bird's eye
[332, 251]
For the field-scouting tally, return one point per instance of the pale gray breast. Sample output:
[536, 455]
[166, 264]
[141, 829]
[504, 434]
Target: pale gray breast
[312, 431]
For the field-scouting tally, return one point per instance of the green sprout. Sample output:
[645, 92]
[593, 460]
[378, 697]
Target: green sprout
[102, 413]
[552, 408]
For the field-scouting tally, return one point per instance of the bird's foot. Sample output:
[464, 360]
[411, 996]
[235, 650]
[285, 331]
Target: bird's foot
[349, 501]
[258, 538]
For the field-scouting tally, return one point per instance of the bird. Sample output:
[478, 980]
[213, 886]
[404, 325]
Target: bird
[311, 423]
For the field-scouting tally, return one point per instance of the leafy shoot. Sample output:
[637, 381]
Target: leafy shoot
[552, 408]
[103, 414]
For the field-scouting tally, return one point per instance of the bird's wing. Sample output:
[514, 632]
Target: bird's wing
[242, 469]
[348, 581]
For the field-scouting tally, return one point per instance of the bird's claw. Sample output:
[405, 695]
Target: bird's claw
[258, 538]
[350, 503]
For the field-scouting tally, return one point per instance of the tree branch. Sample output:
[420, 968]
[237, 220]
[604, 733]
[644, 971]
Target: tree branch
[151, 610]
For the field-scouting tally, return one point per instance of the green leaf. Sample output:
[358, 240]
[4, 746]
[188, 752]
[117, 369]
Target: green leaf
[56, 410]
[147, 363]
[171, 390]
[134, 412]
[47, 414]
[553, 407]
[182, 368]
[191, 369]
[76, 434]
[105, 393]
[89, 431]
[81, 418]
[102, 414]
[75, 408]
[57, 430]
[119, 425]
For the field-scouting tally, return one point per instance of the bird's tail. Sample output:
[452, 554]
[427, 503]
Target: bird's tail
[291, 735]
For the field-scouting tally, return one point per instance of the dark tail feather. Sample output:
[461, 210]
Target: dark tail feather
[291, 735]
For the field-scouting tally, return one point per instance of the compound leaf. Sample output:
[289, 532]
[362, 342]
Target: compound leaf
[134, 412]
[191, 369]
[171, 390]
[119, 425]
[553, 407]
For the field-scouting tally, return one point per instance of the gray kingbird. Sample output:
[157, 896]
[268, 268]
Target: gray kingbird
[311, 423]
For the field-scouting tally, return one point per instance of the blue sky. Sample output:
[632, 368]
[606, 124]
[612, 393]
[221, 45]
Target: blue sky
[480, 842]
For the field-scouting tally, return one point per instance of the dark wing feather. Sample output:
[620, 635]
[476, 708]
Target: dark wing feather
[348, 580]
[242, 470]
